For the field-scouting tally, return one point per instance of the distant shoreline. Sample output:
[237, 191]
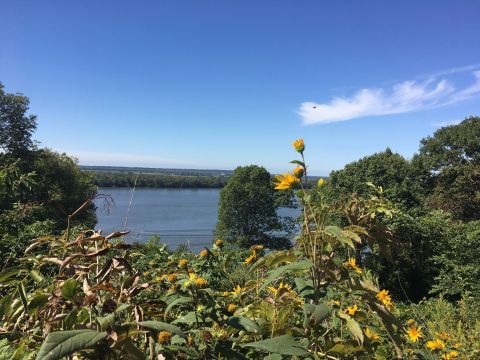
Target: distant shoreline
[141, 177]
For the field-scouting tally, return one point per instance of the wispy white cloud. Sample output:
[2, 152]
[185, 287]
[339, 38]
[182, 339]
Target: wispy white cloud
[408, 96]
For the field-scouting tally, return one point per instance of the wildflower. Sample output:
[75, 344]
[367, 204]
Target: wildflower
[435, 345]
[286, 181]
[372, 335]
[299, 145]
[172, 277]
[164, 336]
[250, 259]
[160, 279]
[299, 171]
[299, 300]
[457, 346]
[203, 253]
[410, 321]
[321, 182]
[451, 355]
[385, 298]
[219, 242]
[231, 308]
[335, 302]
[414, 333]
[200, 282]
[201, 308]
[182, 263]
[352, 263]
[256, 248]
[282, 288]
[351, 310]
[237, 290]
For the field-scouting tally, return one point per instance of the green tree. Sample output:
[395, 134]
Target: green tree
[39, 188]
[16, 127]
[448, 166]
[387, 169]
[247, 211]
[62, 187]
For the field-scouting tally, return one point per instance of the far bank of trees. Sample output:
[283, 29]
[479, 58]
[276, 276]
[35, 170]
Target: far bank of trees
[130, 179]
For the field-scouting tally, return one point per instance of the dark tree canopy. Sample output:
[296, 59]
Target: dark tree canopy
[247, 212]
[16, 127]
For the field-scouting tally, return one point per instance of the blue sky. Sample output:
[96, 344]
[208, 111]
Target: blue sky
[216, 84]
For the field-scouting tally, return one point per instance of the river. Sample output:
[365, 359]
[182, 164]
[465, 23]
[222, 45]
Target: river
[178, 216]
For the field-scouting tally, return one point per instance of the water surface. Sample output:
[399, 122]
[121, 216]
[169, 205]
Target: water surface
[178, 216]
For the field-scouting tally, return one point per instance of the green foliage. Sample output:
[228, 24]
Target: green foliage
[443, 176]
[448, 165]
[16, 127]
[457, 257]
[389, 170]
[63, 187]
[59, 344]
[457, 323]
[18, 218]
[127, 179]
[247, 211]
[38, 187]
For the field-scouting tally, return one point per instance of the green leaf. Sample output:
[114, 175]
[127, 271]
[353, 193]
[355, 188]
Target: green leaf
[161, 326]
[128, 350]
[105, 321]
[355, 330]
[336, 232]
[62, 343]
[346, 348]
[6, 305]
[178, 301]
[284, 345]
[190, 351]
[188, 318]
[71, 319]
[6, 350]
[122, 307]
[304, 288]
[37, 302]
[36, 276]
[11, 273]
[69, 288]
[280, 257]
[315, 313]
[23, 295]
[244, 323]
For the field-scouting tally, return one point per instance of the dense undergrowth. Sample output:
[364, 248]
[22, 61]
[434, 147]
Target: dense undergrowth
[83, 295]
